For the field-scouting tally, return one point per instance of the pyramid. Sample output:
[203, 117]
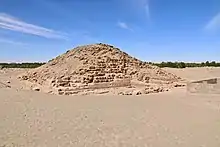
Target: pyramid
[100, 68]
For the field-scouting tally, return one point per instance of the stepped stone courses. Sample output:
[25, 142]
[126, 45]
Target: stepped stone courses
[98, 66]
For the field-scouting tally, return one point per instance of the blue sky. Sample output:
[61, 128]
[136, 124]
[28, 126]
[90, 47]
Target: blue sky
[151, 30]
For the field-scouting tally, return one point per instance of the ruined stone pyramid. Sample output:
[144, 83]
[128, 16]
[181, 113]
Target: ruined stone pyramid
[93, 68]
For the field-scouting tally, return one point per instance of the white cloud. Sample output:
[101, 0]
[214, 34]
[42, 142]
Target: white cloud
[123, 25]
[11, 23]
[214, 23]
[147, 10]
[2, 40]
[141, 6]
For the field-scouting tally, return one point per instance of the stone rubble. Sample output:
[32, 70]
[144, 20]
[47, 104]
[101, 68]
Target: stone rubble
[3, 85]
[98, 67]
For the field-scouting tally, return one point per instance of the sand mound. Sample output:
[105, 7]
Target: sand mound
[100, 69]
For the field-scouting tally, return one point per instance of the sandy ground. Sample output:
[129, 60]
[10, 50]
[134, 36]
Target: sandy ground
[174, 118]
[191, 74]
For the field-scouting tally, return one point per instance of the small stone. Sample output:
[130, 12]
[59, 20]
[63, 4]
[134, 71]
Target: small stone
[24, 77]
[103, 92]
[8, 86]
[36, 89]
[128, 93]
[179, 85]
[121, 93]
[61, 92]
[50, 92]
[137, 93]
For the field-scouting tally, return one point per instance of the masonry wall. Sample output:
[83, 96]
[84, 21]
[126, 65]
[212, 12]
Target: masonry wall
[211, 86]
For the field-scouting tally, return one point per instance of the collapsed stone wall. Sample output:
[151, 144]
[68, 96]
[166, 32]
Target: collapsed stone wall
[211, 86]
[95, 86]
[97, 75]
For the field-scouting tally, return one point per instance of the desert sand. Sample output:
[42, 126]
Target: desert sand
[197, 73]
[169, 119]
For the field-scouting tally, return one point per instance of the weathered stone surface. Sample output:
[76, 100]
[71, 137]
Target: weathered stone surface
[97, 67]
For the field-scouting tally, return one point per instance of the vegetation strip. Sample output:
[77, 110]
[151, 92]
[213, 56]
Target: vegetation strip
[162, 64]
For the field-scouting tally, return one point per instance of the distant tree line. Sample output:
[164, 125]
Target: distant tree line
[184, 65]
[162, 64]
[20, 65]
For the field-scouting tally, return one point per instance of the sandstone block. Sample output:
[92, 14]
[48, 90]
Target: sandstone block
[36, 89]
